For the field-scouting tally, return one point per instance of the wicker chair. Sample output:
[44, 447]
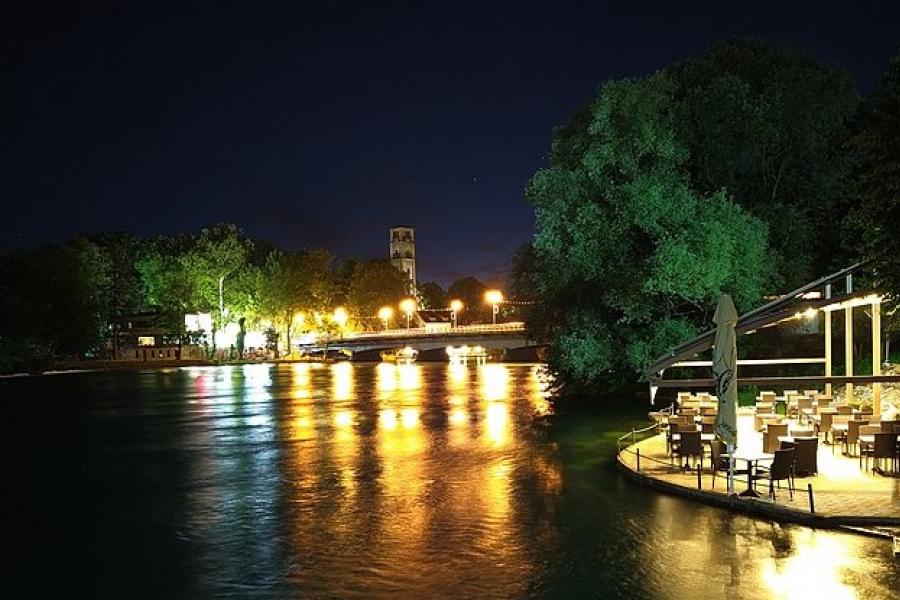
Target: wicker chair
[782, 468]
[690, 446]
[771, 434]
[884, 448]
[767, 397]
[853, 434]
[825, 425]
[806, 456]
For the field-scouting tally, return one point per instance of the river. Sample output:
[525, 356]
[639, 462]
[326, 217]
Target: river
[357, 480]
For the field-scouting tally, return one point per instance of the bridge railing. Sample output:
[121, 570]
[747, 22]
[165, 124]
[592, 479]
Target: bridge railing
[515, 327]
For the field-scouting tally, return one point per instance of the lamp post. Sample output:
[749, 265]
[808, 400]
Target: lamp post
[408, 305]
[385, 313]
[340, 317]
[455, 307]
[494, 298]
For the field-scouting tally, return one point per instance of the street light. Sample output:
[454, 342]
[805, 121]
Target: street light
[455, 307]
[408, 305]
[494, 298]
[340, 316]
[385, 313]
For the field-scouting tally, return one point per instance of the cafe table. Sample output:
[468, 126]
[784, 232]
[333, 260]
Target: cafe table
[704, 437]
[751, 457]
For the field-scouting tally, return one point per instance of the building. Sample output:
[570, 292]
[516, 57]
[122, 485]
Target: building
[403, 252]
[435, 321]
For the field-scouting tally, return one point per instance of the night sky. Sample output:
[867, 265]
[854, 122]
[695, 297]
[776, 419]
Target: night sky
[324, 123]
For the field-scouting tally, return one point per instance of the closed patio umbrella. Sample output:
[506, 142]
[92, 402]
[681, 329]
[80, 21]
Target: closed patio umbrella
[725, 374]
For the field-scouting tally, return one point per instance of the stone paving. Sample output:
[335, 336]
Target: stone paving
[841, 489]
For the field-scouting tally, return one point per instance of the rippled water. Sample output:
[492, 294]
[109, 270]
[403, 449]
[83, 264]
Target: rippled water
[368, 481]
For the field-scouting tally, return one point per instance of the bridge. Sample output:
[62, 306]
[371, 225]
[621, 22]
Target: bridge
[431, 343]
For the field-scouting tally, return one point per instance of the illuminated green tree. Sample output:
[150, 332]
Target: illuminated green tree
[630, 260]
[769, 125]
[295, 283]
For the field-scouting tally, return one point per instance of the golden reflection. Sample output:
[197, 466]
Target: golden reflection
[386, 377]
[457, 416]
[342, 381]
[497, 494]
[457, 376]
[388, 419]
[539, 391]
[301, 374]
[344, 434]
[343, 419]
[812, 571]
[496, 423]
[494, 382]
[410, 417]
[410, 376]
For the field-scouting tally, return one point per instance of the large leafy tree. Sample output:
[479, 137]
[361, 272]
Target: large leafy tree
[52, 303]
[219, 253]
[295, 283]
[471, 291]
[375, 283]
[876, 220]
[432, 295]
[769, 125]
[172, 285]
[630, 258]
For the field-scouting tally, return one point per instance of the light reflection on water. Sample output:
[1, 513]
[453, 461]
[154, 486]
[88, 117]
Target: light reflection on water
[362, 480]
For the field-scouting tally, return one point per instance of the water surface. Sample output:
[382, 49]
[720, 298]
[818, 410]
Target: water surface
[368, 481]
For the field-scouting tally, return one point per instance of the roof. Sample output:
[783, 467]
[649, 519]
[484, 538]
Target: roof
[768, 314]
[435, 316]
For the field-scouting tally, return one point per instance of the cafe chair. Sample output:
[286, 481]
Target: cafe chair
[781, 469]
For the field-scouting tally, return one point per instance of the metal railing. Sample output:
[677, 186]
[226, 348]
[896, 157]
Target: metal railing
[414, 332]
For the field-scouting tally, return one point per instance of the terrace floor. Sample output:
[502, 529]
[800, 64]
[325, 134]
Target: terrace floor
[843, 492]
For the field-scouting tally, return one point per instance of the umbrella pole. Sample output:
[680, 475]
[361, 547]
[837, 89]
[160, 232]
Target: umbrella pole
[730, 448]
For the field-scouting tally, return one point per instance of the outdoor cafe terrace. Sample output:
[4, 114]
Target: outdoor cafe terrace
[821, 449]
[832, 467]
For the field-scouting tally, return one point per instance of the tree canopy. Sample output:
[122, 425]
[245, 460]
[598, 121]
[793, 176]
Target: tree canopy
[630, 258]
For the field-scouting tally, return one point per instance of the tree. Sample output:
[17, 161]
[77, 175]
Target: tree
[630, 259]
[51, 303]
[522, 279]
[375, 283]
[123, 292]
[171, 287]
[219, 252]
[432, 295]
[471, 291]
[295, 283]
[875, 222]
[769, 125]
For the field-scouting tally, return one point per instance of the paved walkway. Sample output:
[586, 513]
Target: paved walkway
[842, 491]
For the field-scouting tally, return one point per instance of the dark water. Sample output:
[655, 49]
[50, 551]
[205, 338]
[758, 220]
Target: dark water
[367, 481]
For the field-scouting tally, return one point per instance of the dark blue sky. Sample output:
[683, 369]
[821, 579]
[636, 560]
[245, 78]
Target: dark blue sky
[323, 123]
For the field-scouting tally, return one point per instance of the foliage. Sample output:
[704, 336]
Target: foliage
[432, 295]
[471, 291]
[294, 284]
[876, 220]
[768, 125]
[630, 259]
[51, 302]
[375, 283]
